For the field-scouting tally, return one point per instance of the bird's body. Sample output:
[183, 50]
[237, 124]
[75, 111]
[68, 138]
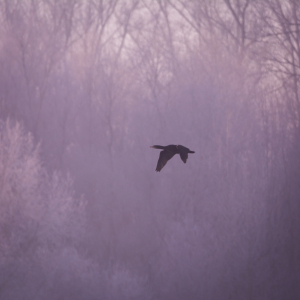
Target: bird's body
[168, 152]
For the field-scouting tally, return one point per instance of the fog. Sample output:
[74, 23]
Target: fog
[87, 86]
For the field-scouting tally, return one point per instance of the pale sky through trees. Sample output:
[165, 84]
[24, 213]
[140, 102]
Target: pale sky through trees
[86, 86]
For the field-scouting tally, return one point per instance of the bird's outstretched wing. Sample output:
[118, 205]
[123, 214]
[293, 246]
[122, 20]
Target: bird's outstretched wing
[183, 156]
[164, 156]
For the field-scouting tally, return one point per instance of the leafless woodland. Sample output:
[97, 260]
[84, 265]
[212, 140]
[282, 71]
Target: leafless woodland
[87, 86]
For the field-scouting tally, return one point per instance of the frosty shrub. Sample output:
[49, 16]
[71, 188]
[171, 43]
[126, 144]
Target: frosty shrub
[39, 218]
[21, 177]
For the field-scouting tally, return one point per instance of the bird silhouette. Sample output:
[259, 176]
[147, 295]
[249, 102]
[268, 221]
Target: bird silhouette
[168, 152]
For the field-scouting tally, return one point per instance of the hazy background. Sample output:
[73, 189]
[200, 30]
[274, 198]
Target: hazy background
[87, 86]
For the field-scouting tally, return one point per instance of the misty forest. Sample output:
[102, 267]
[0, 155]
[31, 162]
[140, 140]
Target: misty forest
[87, 86]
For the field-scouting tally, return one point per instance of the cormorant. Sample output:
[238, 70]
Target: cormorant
[168, 152]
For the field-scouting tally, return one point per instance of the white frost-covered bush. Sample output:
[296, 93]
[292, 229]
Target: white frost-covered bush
[39, 218]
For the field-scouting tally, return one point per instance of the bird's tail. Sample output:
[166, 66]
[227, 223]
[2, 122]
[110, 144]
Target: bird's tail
[191, 151]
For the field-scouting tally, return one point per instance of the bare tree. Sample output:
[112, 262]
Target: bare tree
[284, 57]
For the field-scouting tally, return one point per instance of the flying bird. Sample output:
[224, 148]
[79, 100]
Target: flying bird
[168, 152]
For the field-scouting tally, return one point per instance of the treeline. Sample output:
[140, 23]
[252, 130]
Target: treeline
[87, 86]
